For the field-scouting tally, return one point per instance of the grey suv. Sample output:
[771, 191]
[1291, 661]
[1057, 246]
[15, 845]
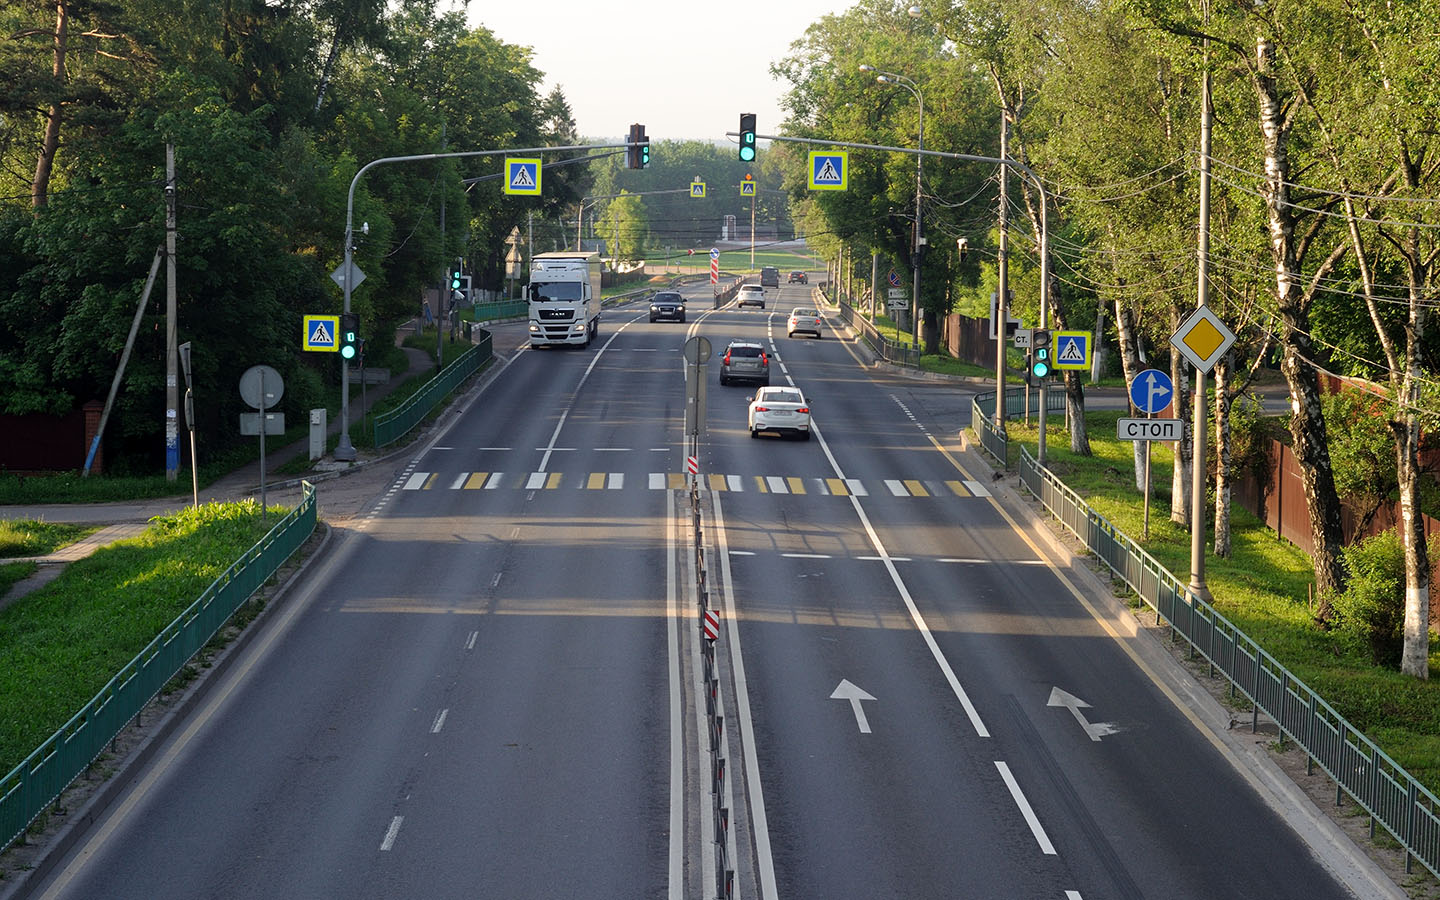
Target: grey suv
[744, 361]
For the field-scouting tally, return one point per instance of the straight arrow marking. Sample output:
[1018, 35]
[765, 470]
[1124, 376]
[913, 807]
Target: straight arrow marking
[847, 691]
[1063, 698]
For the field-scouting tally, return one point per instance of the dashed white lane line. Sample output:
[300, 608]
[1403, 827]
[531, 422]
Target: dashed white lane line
[1036, 829]
[439, 722]
[391, 832]
[470, 642]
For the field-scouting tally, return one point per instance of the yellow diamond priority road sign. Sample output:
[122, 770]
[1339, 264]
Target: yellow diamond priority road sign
[1203, 339]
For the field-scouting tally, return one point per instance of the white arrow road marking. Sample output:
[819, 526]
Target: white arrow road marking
[1095, 730]
[848, 691]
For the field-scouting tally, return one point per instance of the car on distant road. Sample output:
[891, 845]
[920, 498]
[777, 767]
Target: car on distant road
[803, 319]
[769, 276]
[667, 305]
[782, 410]
[744, 361]
[750, 295]
[799, 278]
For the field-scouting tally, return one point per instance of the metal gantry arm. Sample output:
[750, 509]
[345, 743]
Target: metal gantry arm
[345, 450]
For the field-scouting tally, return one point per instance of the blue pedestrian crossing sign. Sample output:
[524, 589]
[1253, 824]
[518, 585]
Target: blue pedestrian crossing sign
[522, 176]
[1072, 349]
[321, 333]
[829, 170]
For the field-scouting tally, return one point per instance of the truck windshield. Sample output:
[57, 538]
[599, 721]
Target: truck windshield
[544, 291]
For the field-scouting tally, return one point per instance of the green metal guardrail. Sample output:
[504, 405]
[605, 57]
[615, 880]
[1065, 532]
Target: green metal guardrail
[395, 424]
[503, 309]
[44, 774]
[886, 349]
[1390, 795]
[982, 412]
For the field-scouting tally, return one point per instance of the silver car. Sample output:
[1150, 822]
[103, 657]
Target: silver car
[744, 361]
[803, 320]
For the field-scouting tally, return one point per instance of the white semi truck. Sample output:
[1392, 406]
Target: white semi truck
[564, 298]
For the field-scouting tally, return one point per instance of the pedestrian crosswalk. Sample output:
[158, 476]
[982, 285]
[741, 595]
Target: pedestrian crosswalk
[674, 481]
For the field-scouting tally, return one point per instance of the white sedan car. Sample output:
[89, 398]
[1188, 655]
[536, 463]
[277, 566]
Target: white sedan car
[782, 410]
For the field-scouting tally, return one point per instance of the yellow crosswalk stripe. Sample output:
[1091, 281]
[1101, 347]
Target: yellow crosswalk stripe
[957, 488]
[760, 483]
[717, 482]
[837, 487]
[595, 482]
[797, 485]
[476, 481]
[677, 481]
[553, 481]
[915, 488]
[430, 482]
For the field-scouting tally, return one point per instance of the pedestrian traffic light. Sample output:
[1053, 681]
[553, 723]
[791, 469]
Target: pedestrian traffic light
[349, 335]
[747, 137]
[1041, 365]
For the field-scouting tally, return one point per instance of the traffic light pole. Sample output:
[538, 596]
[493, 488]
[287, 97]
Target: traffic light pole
[1025, 171]
[345, 450]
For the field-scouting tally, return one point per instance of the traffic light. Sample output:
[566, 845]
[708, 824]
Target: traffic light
[644, 152]
[456, 278]
[1041, 365]
[349, 335]
[747, 137]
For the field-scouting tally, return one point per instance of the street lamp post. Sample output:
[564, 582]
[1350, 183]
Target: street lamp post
[919, 239]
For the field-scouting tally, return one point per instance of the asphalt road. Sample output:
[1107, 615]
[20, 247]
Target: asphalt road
[475, 693]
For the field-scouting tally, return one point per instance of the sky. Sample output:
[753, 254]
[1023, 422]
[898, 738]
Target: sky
[683, 69]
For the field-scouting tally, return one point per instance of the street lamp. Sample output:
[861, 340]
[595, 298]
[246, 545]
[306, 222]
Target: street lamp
[919, 240]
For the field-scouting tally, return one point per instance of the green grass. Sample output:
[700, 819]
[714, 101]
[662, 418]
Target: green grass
[10, 573]
[61, 644]
[1263, 588]
[23, 537]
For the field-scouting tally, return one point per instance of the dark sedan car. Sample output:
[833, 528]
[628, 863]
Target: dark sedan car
[799, 278]
[667, 305]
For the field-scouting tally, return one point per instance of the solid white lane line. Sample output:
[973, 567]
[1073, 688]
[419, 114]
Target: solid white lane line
[677, 712]
[391, 832]
[439, 722]
[764, 861]
[915, 616]
[1030, 819]
[555, 435]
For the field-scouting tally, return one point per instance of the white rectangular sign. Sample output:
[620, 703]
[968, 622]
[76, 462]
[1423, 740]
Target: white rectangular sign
[1022, 338]
[1149, 429]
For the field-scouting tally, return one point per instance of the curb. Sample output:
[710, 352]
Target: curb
[80, 822]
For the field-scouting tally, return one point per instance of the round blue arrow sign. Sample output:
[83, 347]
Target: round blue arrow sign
[1151, 391]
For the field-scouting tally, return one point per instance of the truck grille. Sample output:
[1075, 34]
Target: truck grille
[557, 315]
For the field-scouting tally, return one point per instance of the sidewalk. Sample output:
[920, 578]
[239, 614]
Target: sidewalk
[128, 519]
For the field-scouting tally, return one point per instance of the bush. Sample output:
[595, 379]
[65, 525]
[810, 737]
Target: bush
[1370, 613]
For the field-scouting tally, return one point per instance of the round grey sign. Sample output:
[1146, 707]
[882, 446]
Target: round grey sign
[697, 350]
[250, 387]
